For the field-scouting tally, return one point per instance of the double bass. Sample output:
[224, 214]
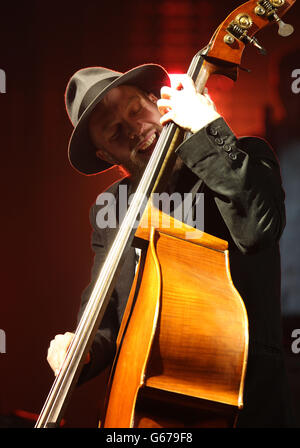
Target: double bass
[170, 369]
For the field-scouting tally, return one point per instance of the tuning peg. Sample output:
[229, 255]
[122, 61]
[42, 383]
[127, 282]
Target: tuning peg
[256, 44]
[284, 29]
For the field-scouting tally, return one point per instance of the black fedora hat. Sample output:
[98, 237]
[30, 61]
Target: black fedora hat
[85, 90]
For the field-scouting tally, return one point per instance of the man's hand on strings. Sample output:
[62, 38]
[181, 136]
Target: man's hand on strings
[185, 107]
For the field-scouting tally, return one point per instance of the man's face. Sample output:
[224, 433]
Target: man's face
[125, 127]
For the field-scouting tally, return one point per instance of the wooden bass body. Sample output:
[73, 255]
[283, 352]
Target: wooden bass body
[182, 346]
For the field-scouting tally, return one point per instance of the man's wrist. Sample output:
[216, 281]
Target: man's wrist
[200, 124]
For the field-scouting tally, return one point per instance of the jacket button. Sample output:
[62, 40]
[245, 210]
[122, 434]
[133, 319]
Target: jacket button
[232, 155]
[227, 148]
[213, 131]
[219, 141]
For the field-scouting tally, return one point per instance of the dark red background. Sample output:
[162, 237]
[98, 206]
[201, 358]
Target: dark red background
[46, 256]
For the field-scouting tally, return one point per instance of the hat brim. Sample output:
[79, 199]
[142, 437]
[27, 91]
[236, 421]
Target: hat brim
[81, 151]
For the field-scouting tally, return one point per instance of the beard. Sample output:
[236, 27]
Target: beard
[140, 158]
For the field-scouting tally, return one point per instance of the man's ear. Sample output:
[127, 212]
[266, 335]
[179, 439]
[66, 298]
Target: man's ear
[152, 97]
[104, 155]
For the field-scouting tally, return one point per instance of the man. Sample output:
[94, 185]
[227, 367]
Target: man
[117, 119]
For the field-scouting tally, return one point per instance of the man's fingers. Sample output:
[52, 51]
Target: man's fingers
[169, 116]
[163, 105]
[187, 84]
[57, 350]
[179, 82]
[166, 92]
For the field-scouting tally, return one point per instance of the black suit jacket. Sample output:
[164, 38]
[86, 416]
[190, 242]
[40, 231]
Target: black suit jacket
[244, 205]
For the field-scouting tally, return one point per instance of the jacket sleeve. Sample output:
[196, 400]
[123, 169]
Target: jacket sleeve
[244, 177]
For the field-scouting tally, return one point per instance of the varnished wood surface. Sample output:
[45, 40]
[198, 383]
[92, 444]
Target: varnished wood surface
[154, 218]
[201, 343]
[160, 409]
[128, 374]
[187, 333]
